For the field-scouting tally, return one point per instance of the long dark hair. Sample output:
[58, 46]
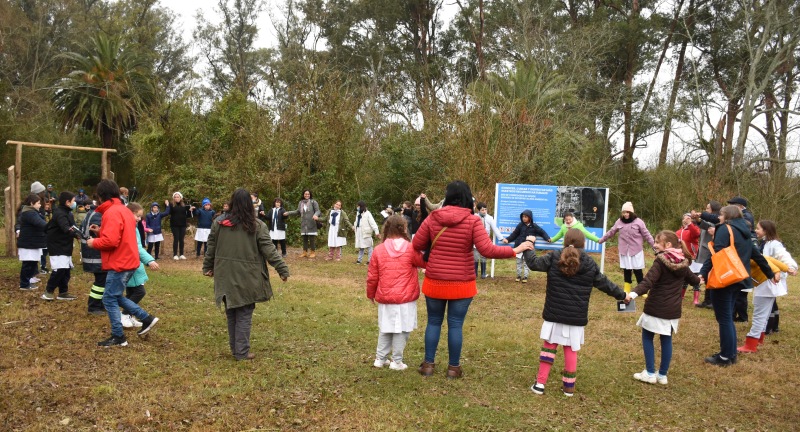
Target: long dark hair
[241, 210]
[458, 194]
[770, 229]
[362, 207]
[303, 194]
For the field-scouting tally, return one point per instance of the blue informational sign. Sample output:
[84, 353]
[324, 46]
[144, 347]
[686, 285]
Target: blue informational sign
[548, 205]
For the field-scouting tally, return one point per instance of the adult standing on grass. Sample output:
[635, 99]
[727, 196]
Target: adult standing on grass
[119, 251]
[337, 220]
[238, 247]
[178, 215]
[308, 210]
[449, 235]
[732, 225]
[706, 221]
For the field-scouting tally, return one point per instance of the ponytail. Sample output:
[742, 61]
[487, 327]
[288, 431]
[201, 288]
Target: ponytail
[570, 260]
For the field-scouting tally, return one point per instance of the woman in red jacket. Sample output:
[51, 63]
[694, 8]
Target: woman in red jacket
[449, 234]
[393, 282]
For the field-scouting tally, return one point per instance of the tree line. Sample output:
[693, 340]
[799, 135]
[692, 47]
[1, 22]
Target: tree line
[381, 100]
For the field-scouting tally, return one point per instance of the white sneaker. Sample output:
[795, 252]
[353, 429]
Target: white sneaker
[538, 388]
[397, 366]
[175, 257]
[182, 257]
[380, 363]
[35, 280]
[126, 320]
[134, 321]
[662, 379]
[644, 376]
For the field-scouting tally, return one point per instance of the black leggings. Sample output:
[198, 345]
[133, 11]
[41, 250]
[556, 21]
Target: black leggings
[283, 245]
[637, 272]
[178, 233]
[134, 294]
[312, 239]
[59, 279]
[201, 246]
[150, 248]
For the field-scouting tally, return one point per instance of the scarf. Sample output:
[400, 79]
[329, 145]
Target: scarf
[333, 217]
[673, 255]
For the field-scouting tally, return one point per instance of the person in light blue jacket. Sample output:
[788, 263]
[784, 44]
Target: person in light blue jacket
[134, 290]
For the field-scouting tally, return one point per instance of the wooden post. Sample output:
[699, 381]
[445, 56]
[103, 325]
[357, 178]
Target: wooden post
[104, 165]
[17, 173]
[11, 235]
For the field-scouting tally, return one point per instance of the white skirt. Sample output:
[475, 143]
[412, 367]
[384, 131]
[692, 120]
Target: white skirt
[333, 239]
[29, 254]
[658, 325]
[58, 262]
[201, 234]
[632, 262]
[397, 318]
[277, 235]
[562, 334]
[154, 238]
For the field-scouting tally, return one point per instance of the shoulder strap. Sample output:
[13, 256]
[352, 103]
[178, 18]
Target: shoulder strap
[711, 243]
[433, 243]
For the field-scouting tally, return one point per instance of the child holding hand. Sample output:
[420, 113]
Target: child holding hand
[393, 282]
[664, 283]
[571, 274]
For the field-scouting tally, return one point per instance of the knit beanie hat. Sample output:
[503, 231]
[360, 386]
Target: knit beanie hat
[37, 187]
[628, 207]
[206, 201]
[179, 194]
[155, 204]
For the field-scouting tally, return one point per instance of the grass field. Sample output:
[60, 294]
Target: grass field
[315, 344]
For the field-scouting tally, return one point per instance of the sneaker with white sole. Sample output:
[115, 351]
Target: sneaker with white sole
[380, 363]
[66, 296]
[34, 280]
[645, 376]
[48, 296]
[538, 388]
[662, 379]
[125, 319]
[175, 257]
[29, 288]
[182, 257]
[113, 341]
[147, 325]
[397, 366]
[134, 321]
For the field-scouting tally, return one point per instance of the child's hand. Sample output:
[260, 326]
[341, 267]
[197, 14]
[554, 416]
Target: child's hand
[210, 273]
[372, 300]
[777, 277]
[531, 239]
[505, 241]
[153, 265]
[792, 272]
[149, 230]
[285, 214]
[166, 203]
[283, 278]
[627, 298]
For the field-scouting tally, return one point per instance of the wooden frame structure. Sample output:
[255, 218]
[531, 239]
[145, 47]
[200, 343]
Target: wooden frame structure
[12, 191]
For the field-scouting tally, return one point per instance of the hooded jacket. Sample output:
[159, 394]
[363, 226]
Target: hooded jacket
[451, 259]
[139, 277]
[523, 230]
[204, 217]
[60, 238]
[117, 243]
[631, 235]
[392, 277]
[567, 299]
[238, 260]
[664, 284]
[744, 248]
[31, 229]
[153, 220]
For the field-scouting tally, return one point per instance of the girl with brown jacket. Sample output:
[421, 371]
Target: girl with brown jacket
[664, 285]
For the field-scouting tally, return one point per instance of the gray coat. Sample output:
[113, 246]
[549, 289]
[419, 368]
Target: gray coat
[308, 226]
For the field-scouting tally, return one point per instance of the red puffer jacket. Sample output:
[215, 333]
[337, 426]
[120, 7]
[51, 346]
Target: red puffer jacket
[392, 277]
[119, 249]
[451, 258]
[690, 236]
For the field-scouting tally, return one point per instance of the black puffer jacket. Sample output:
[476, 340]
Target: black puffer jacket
[567, 300]
[59, 237]
[178, 215]
[523, 230]
[31, 229]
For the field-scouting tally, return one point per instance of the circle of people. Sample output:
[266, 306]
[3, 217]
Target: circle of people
[448, 241]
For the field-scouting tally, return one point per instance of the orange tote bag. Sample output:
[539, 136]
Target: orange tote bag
[727, 268]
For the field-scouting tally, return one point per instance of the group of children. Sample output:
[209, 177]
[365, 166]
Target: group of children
[571, 273]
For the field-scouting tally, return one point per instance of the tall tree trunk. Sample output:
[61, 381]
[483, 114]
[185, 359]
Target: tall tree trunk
[676, 83]
[731, 113]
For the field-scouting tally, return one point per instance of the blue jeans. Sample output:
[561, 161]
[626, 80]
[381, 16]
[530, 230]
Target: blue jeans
[113, 299]
[456, 312]
[650, 352]
[724, 300]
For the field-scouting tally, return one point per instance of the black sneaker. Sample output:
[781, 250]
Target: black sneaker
[538, 388]
[66, 296]
[113, 341]
[717, 360]
[147, 325]
[29, 288]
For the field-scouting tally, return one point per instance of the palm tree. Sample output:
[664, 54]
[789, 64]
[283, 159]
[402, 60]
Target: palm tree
[107, 91]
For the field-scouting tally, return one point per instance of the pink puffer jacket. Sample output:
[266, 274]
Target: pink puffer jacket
[451, 258]
[392, 277]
